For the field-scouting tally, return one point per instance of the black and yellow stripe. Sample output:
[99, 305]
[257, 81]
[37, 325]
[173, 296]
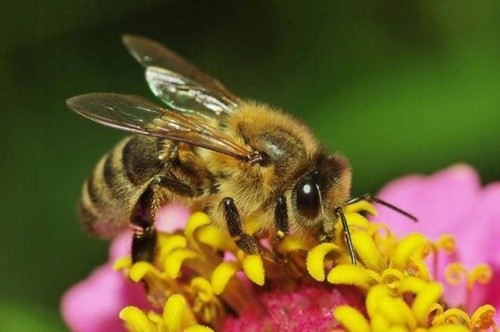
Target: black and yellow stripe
[110, 193]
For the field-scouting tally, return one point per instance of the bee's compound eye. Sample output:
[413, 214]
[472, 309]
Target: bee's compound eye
[307, 198]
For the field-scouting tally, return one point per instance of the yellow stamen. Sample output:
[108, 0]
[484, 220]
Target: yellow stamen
[405, 249]
[167, 244]
[481, 274]
[446, 242]
[367, 250]
[356, 220]
[379, 323]
[412, 284]
[122, 263]
[136, 320]
[452, 316]
[483, 318]
[176, 314]
[396, 311]
[354, 275]
[140, 269]
[374, 295]
[419, 268]
[155, 318]
[351, 318]
[203, 289]
[254, 268]
[436, 309]
[392, 278]
[222, 274]
[214, 238]
[174, 261]
[197, 220]
[315, 261]
[292, 243]
[425, 299]
[455, 273]
[205, 303]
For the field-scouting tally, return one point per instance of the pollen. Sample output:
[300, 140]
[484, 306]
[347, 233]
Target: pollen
[200, 280]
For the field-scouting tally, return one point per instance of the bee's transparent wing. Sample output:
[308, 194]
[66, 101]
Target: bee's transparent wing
[197, 88]
[140, 116]
[186, 95]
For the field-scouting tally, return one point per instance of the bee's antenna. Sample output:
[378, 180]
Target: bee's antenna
[348, 238]
[370, 198]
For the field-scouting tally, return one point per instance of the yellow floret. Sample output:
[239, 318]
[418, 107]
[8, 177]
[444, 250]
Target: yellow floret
[194, 277]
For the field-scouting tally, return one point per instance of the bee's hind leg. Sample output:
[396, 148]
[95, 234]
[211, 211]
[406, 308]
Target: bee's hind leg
[245, 242]
[142, 222]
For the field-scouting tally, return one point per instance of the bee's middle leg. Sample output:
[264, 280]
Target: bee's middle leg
[245, 242]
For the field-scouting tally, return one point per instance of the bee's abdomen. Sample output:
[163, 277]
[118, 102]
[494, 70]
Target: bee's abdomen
[117, 181]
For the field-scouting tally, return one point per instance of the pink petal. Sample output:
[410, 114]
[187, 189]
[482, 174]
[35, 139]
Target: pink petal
[172, 217]
[482, 229]
[452, 201]
[93, 305]
[120, 246]
[441, 202]
[482, 244]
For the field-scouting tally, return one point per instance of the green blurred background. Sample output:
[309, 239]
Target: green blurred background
[398, 87]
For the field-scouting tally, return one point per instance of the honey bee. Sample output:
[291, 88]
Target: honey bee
[235, 159]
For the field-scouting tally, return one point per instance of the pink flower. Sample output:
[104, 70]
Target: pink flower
[315, 287]
[453, 201]
[93, 304]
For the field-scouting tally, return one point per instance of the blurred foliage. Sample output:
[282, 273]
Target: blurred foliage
[399, 87]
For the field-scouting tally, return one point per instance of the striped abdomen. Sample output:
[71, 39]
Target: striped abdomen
[117, 181]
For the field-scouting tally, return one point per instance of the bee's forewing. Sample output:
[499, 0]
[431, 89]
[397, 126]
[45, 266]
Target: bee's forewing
[138, 115]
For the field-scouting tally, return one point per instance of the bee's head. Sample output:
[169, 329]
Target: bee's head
[316, 194]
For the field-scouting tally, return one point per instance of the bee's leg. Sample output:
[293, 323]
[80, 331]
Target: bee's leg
[370, 198]
[244, 241]
[347, 233]
[144, 239]
[280, 222]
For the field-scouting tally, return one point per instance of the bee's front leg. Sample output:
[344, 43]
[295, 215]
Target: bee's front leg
[142, 222]
[280, 222]
[244, 241]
